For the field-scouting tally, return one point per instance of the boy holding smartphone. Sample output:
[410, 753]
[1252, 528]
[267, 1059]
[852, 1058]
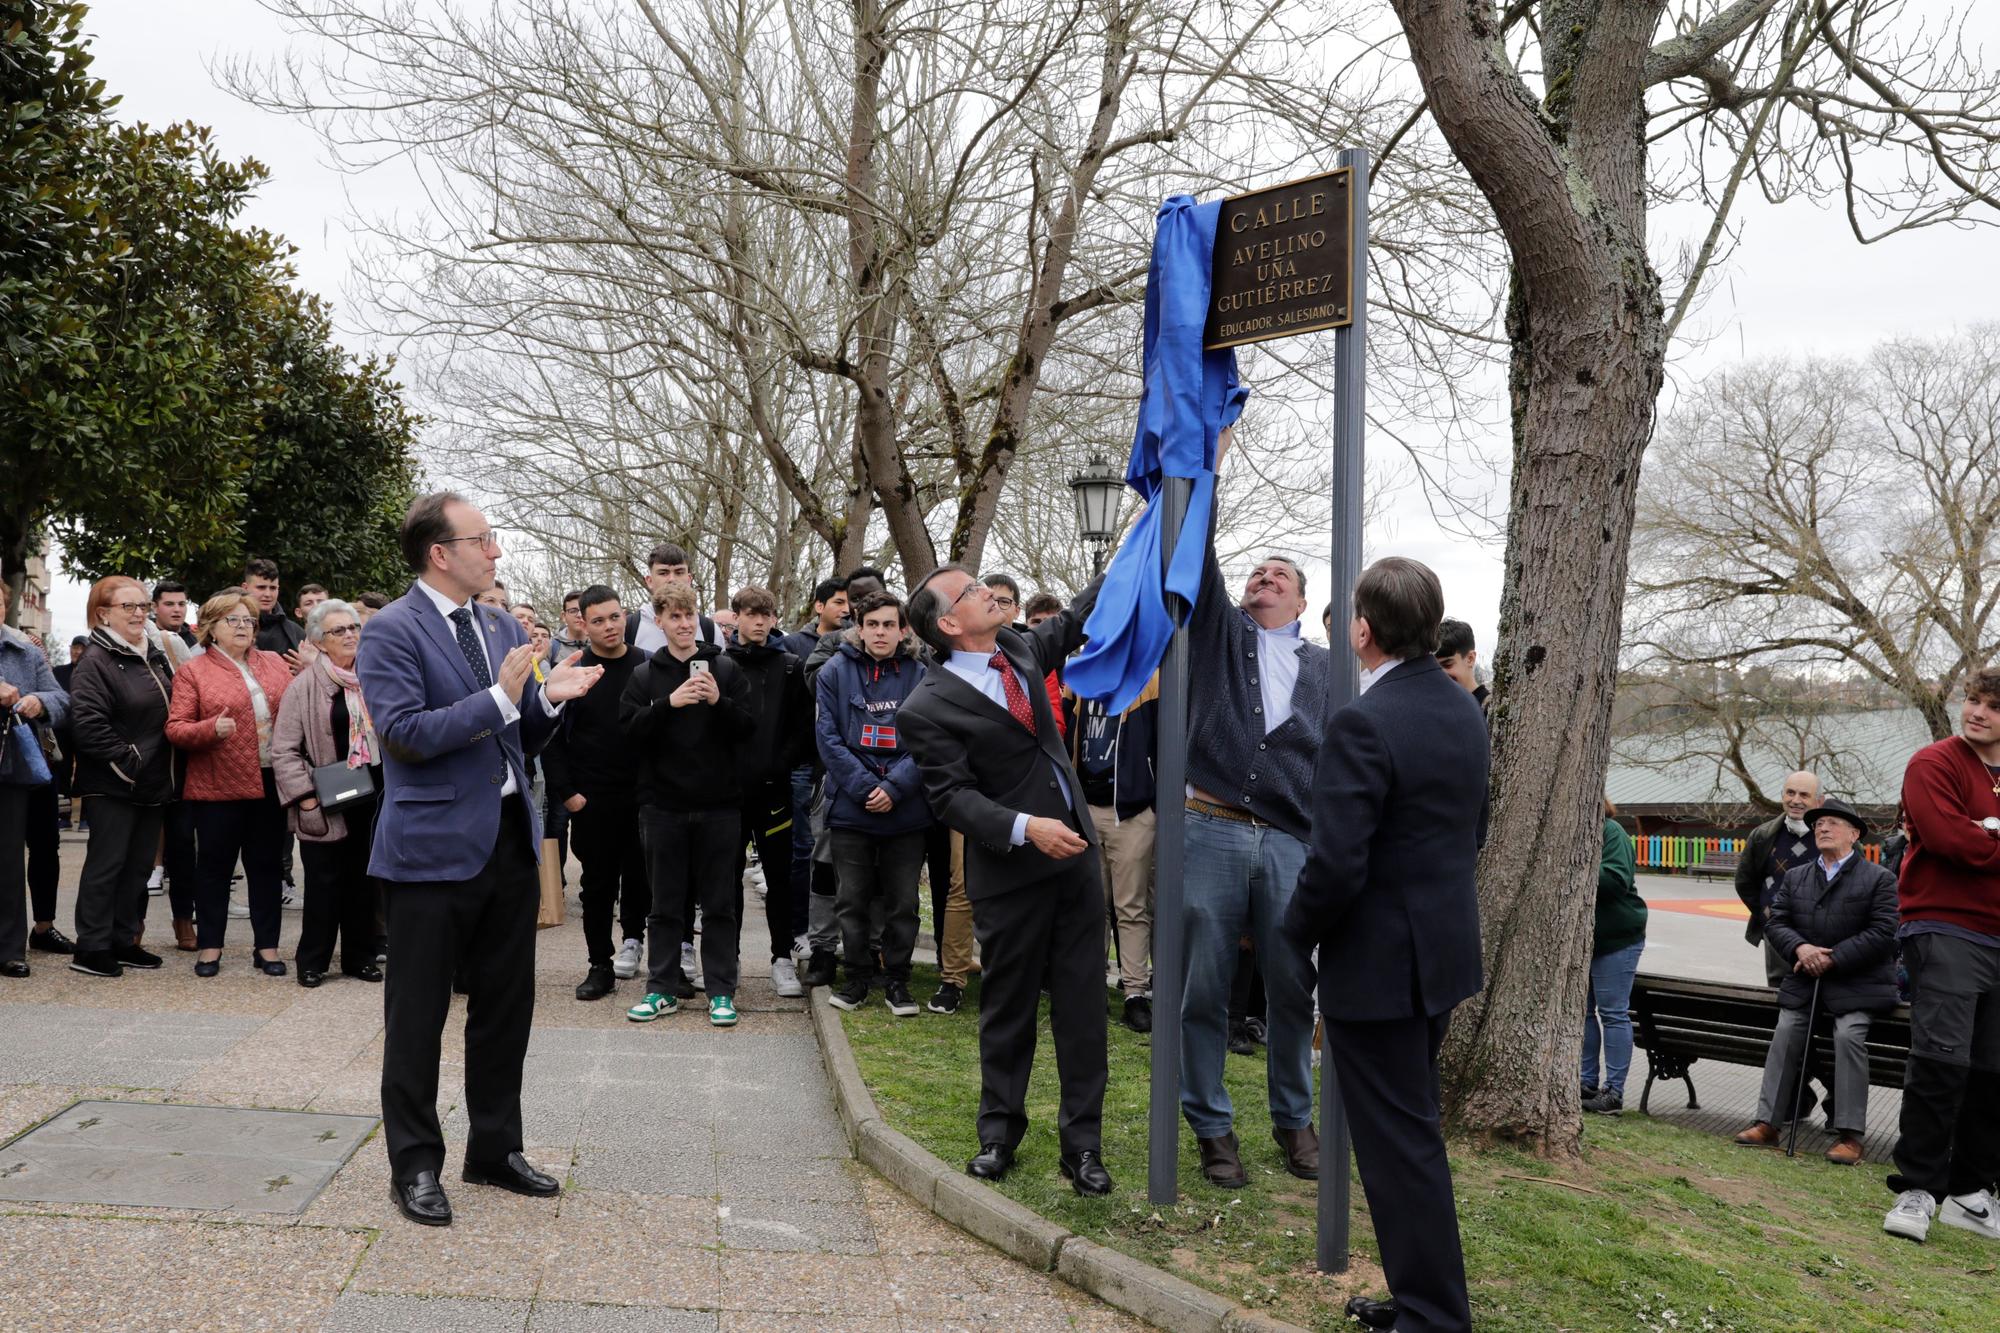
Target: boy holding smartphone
[687, 710]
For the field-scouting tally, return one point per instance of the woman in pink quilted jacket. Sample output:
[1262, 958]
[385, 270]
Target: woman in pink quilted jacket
[224, 710]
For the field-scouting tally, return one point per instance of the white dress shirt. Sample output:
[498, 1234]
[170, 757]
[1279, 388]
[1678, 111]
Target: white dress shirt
[510, 713]
[977, 670]
[1278, 674]
[1369, 677]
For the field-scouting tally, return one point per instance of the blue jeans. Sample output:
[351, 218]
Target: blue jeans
[1607, 1013]
[1239, 880]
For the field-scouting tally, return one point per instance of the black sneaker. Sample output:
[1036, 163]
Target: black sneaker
[850, 997]
[51, 940]
[946, 1000]
[1239, 1040]
[1606, 1102]
[597, 983]
[818, 970]
[897, 996]
[679, 986]
[1138, 1013]
[131, 955]
[95, 963]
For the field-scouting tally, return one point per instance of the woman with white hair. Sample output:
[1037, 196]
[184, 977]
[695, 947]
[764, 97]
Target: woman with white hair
[328, 764]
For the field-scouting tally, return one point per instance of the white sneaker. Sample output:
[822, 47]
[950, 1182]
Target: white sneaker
[626, 965]
[289, 897]
[691, 964]
[1911, 1216]
[802, 948]
[156, 883]
[238, 911]
[753, 880]
[785, 978]
[697, 921]
[1972, 1212]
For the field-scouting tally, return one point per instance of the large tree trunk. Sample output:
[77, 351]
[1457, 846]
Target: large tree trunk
[1567, 184]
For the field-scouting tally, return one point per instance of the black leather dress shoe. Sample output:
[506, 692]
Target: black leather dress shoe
[513, 1174]
[1373, 1313]
[421, 1199]
[1085, 1170]
[993, 1161]
[309, 978]
[14, 967]
[366, 972]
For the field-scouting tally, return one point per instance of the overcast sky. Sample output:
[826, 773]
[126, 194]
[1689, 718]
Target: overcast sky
[1798, 283]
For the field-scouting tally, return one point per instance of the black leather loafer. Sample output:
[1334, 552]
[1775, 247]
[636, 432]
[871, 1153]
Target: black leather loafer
[366, 972]
[1373, 1313]
[421, 1199]
[1085, 1170]
[14, 967]
[309, 978]
[513, 1174]
[993, 1161]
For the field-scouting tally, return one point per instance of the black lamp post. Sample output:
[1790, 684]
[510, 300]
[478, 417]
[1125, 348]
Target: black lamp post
[1098, 490]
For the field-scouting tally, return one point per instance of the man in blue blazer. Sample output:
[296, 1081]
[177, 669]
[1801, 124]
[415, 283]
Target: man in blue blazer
[1398, 817]
[451, 690]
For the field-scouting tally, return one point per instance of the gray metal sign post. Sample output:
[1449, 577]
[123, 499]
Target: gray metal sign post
[1163, 1114]
[1350, 355]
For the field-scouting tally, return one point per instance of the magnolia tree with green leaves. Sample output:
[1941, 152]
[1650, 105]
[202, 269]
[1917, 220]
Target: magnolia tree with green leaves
[167, 400]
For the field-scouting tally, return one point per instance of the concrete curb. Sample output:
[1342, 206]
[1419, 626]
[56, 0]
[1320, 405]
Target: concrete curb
[1117, 1279]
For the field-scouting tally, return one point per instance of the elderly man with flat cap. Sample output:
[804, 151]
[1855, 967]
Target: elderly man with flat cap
[1834, 918]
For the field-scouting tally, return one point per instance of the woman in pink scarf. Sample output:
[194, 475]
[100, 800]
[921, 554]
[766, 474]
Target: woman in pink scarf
[324, 724]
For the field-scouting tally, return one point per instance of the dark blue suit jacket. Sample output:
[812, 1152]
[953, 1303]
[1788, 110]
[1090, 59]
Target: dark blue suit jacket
[445, 754]
[1398, 817]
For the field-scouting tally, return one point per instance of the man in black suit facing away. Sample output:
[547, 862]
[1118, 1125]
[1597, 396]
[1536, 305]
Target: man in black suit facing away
[1398, 817]
[996, 769]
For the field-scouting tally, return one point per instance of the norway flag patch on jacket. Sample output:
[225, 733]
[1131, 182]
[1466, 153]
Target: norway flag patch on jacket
[878, 736]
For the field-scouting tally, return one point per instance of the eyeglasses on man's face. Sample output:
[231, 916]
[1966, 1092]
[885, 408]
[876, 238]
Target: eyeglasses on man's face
[489, 540]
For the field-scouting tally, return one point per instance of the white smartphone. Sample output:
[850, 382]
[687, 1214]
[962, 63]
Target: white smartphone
[697, 668]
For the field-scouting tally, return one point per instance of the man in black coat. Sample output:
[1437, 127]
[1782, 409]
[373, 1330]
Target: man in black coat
[995, 769]
[1835, 918]
[1398, 817]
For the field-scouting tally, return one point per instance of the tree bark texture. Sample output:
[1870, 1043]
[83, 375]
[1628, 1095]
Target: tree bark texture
[1566, 179]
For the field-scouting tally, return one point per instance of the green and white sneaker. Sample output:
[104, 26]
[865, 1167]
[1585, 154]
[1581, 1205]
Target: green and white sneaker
[722, 1011]
[655, 1005]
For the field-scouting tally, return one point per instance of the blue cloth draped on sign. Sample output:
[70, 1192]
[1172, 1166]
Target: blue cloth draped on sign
[1188, 396]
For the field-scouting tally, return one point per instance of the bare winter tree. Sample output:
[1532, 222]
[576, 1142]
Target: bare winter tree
[1573, 117]
[1820, 513]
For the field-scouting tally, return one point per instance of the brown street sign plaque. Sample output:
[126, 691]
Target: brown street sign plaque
[1283, 261]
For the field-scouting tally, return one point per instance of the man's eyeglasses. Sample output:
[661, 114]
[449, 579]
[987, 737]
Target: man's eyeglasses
[489, 541]
[972, 587]
[1001, 599]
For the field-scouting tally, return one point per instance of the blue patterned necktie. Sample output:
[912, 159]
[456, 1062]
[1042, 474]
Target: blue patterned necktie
[468, 643]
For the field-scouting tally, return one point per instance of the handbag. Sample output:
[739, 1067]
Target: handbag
[337, 785]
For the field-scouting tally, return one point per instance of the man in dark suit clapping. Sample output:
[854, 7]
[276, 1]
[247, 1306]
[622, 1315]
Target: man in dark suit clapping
[1398, 817]
[996, 769]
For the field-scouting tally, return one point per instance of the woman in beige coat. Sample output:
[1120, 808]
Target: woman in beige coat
[323, 722]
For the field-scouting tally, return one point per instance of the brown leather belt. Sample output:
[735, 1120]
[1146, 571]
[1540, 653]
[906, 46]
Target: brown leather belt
[1229, 812]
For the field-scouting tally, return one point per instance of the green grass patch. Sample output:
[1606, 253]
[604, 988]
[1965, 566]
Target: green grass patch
[1660, 1228]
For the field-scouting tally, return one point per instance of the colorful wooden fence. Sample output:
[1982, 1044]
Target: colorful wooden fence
[1665, 854]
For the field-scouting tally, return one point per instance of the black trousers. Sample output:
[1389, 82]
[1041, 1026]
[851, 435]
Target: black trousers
[877, 872]
[1949, 1140]
[937, 866]
[13, 880]
[225, 830]
[767, 821]
[1388, 1075]
[43, 836]
[340, 896]
[1054, 928]
[111, 892]
[606, 835]
[487, 923]
[690, 854]
[182, 865]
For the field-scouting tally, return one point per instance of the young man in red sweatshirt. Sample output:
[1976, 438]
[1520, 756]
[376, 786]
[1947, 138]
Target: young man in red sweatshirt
[1948, 1155]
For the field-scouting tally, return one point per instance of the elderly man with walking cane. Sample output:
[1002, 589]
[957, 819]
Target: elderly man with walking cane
[1835, 918]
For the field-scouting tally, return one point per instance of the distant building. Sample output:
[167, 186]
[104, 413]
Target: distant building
[33, 614]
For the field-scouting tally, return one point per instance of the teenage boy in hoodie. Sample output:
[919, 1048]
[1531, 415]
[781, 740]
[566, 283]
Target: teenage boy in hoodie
[878, 815]
[591, 767]
[687, 710]
[781, 742]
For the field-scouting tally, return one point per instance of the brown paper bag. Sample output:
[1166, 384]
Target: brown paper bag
[551, 913]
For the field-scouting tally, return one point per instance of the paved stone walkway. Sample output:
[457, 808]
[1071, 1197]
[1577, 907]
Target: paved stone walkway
[708, 1185]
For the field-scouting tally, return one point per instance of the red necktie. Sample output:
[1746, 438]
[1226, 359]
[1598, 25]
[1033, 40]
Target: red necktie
[1017, 697]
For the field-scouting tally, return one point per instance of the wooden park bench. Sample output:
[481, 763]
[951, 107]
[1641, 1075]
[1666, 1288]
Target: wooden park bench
[1677, 1022]
[1717, 865]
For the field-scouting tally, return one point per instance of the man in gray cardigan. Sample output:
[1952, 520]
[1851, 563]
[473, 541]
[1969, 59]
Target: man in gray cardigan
[1257, 713]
